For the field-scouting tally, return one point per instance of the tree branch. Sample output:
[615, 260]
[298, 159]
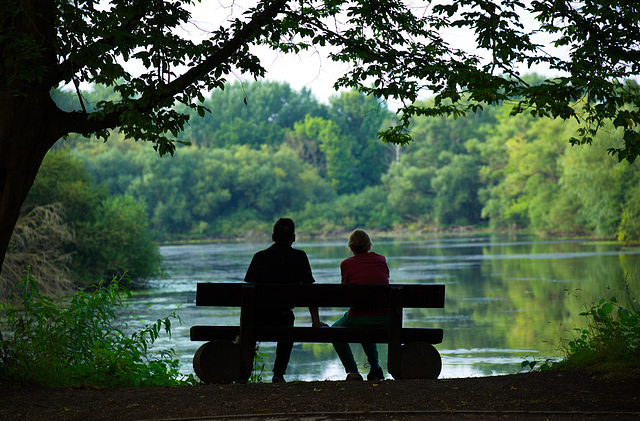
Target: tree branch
[248, 33]
[66, 69]
[85, 124]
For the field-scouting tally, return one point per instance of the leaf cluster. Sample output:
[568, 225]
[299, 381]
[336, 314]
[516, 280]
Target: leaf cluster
[78, 341]
[611, 336]
[534, 364]
[394, 49]
[259, 358]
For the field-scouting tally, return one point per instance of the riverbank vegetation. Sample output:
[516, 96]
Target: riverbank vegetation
[80, 340]
[609, 341]
[606, 339]
[72, 232]
[267, 150]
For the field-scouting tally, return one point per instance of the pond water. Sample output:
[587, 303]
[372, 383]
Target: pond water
[508, 298]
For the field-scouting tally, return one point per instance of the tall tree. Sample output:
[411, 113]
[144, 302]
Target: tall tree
[394, 49]
[360, 117]
[525, 169]
[251, 113]
[600, 185]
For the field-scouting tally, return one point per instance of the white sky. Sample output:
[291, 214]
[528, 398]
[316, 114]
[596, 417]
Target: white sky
[311, 69]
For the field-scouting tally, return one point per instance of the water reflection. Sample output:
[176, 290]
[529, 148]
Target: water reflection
[508, 298]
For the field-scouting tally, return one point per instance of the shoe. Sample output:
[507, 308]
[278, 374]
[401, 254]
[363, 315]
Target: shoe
[375, 375]
[277, 379]
[354, 376]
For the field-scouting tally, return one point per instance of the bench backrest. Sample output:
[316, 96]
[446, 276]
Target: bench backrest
[322, 295]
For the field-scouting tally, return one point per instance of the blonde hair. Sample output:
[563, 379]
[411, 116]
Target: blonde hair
[359, 242]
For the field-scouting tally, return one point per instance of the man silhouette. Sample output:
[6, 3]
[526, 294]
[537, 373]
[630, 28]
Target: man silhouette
[281, 264]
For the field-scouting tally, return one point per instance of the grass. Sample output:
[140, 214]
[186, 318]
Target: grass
[77, 341]
[38, 240]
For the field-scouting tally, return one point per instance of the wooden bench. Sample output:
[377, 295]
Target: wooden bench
[230, 349]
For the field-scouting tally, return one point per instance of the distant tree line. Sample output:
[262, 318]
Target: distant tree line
[266, 150]
[73, 232]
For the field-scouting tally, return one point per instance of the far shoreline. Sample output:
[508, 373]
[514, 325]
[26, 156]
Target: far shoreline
[253, 237]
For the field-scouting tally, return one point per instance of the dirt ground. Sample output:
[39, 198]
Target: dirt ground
[529, 396]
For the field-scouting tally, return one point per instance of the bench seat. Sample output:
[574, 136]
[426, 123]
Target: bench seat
[320, 335]
[229, 352]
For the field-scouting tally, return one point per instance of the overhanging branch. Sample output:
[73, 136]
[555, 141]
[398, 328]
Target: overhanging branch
[247, 34]
[90, 123]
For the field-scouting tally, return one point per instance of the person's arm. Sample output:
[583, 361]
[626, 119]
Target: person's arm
[315, 317]
[249, 276]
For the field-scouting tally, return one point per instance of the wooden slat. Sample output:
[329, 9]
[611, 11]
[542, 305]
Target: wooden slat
[315, 334]
[247, 330]
[395, 332]
[321, 295]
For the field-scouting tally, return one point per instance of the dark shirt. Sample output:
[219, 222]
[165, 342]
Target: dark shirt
[280, 264]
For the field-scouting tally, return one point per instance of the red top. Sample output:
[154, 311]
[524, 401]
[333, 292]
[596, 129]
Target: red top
[367, 268]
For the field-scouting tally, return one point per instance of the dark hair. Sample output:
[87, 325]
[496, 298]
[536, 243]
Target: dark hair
[284, 230]
[359, 242]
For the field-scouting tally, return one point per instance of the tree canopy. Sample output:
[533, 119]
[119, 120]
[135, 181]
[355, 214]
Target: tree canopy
[394, 49]
[489, 169]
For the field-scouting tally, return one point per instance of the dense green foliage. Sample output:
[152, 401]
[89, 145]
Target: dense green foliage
[610, 340]
[254, 114]
[389, 48]
[331, 174]
[110, 233]
[592, 47]
[78, 341]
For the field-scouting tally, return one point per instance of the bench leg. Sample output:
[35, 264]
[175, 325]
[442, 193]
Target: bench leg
[394, 363]
[217, 362]
[246, 337]
[420, 360]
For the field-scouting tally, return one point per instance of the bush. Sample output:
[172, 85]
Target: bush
[110, 234]
[611, 338]
[629, 229]
[75, 341]
[118, 240]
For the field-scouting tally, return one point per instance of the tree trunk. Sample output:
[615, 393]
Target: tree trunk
[30, 122]
[25, 137]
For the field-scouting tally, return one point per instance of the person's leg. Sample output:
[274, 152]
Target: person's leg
[371, 351]
[283, 348]
[375, 371]
[370, 348]
[278, 317]
[344, 350]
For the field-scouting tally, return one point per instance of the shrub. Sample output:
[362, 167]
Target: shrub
[611, 338]
[75, 341]
[629, 229]
[110, 234]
